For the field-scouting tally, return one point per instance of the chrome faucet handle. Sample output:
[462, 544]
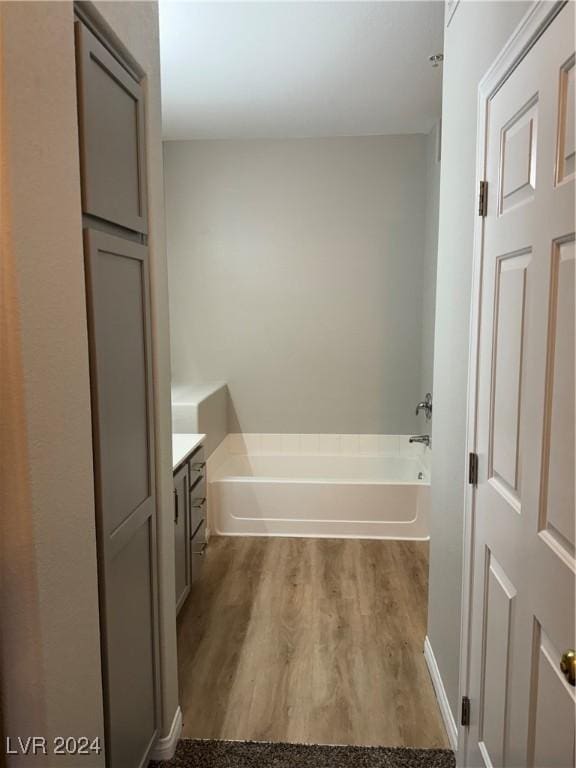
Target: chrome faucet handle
[426, 406]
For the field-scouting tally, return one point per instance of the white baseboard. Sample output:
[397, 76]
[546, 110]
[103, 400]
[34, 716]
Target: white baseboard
[164, 748]
[442, 698]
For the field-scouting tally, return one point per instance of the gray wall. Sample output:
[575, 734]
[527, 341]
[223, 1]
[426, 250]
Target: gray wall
[296, 276]
[50, 676]
[475, 35]
[429, 266]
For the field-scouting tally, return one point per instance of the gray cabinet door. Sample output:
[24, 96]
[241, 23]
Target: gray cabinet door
[111, 117]
[121, 380]
[181, 536]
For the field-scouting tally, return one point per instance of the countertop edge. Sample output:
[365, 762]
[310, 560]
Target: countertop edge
[182, 446]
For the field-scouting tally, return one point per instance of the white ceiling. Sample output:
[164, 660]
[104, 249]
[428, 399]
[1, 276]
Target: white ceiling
[293, 69]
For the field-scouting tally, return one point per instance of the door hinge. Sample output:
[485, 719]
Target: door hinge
[465, 715]
[473, 469]
[483, 199]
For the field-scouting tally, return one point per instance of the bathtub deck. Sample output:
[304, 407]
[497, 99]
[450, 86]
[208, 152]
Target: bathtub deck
[309, 640]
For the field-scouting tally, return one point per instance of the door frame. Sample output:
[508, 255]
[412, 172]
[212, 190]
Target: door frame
[532, 26]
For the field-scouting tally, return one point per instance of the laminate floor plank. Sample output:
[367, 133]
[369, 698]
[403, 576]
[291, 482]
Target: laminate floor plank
[309, 641]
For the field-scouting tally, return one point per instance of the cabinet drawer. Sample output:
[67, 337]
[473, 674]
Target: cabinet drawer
[198, 543]
[197, 490]
[197, 564]
[197, 551]
[197, 466]
[197, 507]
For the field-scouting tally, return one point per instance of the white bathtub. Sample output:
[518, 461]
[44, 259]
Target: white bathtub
[375, 489]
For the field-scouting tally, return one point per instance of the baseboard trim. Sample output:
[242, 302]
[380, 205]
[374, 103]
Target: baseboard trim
[441, 697]
[165, 748]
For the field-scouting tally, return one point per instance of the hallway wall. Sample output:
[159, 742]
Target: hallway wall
[475, 35]
[296, 271]
[429, 264]
[50, 674]
[50, 637]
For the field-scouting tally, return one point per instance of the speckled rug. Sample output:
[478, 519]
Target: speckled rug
[199, 753]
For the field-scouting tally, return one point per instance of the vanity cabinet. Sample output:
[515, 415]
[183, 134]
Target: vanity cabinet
[181, 536]
[189, 520]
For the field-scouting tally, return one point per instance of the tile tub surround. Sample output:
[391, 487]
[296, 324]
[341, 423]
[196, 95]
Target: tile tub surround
[338, 486]
[263, 444]
[201, 408]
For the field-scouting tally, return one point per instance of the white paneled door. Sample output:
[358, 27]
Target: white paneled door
[522, 606]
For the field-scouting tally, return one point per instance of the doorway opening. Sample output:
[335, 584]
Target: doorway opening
[302, 166]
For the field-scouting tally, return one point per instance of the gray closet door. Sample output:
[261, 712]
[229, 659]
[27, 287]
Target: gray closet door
[119, 338]
[111, 115]
[181, 536]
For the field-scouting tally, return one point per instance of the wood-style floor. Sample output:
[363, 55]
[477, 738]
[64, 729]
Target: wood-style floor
[309, 640]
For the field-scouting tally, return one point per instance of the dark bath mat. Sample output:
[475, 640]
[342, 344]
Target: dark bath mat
[200, 753]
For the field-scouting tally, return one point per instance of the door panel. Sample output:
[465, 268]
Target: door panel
[111, 117]
[518, 157]
[523, 710]
[557, 511]
[129, 620]
[117, 285]
[119, 339]
[508, 365]
[565, 164]
[552, 708]
[499, 598]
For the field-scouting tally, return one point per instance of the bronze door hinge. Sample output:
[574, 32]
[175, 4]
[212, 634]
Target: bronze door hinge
[483, 199]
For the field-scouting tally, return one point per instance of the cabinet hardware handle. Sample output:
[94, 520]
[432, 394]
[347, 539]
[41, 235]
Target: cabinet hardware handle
[195, 531]
[175, 507]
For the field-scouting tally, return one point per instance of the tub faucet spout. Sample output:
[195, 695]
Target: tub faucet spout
[425, 439]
